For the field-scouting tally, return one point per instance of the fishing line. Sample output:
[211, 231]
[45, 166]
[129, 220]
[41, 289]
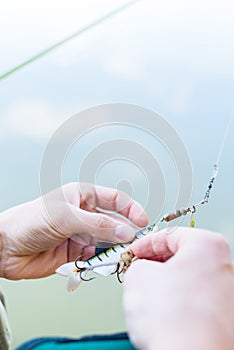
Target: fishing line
[228, 127]
[192, 209]
[68, 38]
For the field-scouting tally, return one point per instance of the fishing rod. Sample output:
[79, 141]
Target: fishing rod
[68, 38]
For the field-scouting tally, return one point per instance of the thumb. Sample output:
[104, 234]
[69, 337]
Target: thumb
[101, 226]
[181, 242]
[153, 247]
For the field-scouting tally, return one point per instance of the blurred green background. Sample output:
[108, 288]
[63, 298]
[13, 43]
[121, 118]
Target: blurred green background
[175, 57]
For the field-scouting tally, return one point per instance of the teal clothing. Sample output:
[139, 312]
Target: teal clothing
[5, 333]
[117, 341]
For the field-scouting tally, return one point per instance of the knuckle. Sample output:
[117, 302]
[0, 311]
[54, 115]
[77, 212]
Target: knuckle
[102, 221]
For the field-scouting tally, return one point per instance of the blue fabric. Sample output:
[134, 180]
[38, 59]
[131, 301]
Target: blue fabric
[118, 341]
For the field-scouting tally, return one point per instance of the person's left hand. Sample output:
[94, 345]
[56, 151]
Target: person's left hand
[38, 236]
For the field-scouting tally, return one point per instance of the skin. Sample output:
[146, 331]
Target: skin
[38, 236]
[180, 294]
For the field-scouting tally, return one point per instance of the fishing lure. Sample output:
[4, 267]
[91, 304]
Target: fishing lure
[105, 263]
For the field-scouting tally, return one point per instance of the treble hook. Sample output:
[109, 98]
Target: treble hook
[78, 259]
[116, 270]
[85, 279]
[81, 270]
[118, 273]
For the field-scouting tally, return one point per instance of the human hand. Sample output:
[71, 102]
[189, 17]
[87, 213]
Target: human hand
[185, 298]
[38, 236]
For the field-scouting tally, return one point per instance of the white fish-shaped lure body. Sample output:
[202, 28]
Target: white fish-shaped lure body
[104, 263]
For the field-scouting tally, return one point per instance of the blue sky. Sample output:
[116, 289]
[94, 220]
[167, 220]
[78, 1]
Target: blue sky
[175, 57]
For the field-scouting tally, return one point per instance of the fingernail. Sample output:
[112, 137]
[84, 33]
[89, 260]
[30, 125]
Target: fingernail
[124, 233]
[142, 220]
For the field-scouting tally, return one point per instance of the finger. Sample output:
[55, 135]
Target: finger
[101, 226]
[114, 200]
[153, 246]
[162, 242]
[180, 241]
[74, 250]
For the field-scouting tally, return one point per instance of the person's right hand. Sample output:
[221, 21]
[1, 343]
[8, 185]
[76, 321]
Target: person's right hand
[184, 300]
[38, 236]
